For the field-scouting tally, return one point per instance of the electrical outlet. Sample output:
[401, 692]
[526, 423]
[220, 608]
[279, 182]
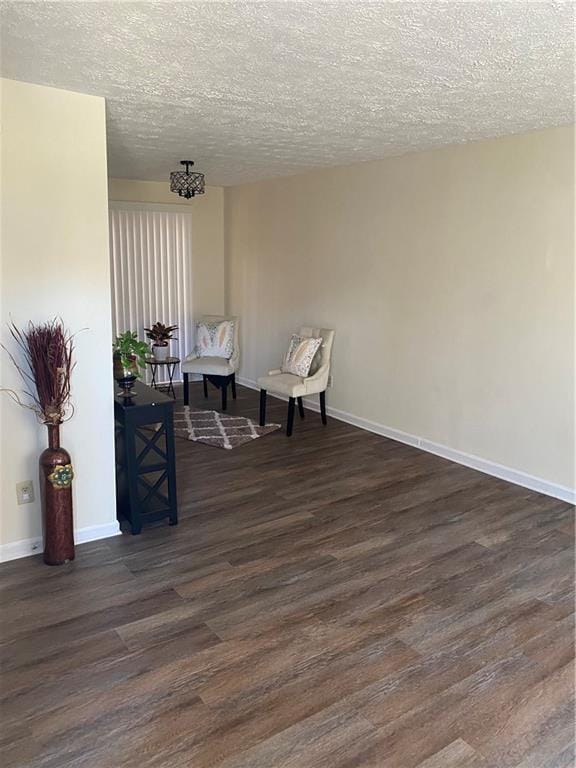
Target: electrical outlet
[25, 492]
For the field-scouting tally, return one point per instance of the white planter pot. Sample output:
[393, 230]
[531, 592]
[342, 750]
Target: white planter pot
[160, 353]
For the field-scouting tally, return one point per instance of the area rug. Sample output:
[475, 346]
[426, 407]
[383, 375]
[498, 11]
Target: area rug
[217, 429]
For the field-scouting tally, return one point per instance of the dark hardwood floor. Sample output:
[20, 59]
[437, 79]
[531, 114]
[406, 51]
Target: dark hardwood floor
[332, 600]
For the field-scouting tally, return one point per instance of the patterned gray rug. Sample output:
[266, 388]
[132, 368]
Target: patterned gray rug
[217, 429]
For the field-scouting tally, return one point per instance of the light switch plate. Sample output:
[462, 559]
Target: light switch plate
[25, 492]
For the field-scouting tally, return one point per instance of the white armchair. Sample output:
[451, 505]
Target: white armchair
[296, 387]
[219, 371]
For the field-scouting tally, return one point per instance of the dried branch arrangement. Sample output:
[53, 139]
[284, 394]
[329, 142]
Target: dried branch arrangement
[47, 369]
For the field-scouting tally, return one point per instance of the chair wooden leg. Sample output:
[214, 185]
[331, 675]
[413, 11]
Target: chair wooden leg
[290, 422]
[300, 407]
[205, 382]
[233, 380]
[186, 392]
[262, 407]
[323, 407]
[224, 386]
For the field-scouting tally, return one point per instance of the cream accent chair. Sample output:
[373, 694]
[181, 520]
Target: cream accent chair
[219, 371]
[295, 387]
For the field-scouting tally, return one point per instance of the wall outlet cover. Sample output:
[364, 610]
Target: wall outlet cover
[25, 492]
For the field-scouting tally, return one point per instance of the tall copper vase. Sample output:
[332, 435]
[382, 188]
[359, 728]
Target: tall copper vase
[56, 488]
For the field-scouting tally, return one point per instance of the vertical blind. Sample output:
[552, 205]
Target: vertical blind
[151, 251]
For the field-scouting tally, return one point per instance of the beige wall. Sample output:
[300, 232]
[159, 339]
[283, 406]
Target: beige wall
[207, 213]
[54, 261]
[449, 278]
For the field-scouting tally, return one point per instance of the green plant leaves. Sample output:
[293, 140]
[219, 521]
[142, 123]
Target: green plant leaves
[128, 346]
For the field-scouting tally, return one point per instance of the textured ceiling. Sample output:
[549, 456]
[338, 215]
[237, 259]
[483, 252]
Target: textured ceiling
[252, 90]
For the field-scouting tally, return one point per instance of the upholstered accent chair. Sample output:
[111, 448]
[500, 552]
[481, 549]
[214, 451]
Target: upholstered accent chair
[296, 387]
[219, 371]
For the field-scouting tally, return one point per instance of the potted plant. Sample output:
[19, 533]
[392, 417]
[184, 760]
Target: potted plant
[46, 350]
[160, 335]
[129, 357]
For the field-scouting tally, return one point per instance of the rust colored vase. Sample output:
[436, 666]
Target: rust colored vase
[56, 488]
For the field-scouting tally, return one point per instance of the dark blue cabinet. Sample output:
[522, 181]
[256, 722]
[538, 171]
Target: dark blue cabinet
[145, 458]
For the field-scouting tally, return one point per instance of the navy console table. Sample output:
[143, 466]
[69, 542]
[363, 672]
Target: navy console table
[145, 458]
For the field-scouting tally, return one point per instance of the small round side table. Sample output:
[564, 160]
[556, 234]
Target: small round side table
[170, 363]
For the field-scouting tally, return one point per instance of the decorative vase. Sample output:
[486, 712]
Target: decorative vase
[125, 373]
[56, 475]
[160, 352]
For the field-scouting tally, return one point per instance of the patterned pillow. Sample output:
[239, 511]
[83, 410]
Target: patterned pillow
[300, 355]
[215, 338]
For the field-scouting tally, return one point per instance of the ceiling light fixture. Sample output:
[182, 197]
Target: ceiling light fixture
[186, 183]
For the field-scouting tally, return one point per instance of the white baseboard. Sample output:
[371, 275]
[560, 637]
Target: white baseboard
[95, 532]
[27, 547]
[500, 471]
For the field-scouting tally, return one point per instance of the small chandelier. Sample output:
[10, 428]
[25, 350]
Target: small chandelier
[187, 184]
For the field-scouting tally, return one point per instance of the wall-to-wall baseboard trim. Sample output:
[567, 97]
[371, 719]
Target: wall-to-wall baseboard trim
[515, 476]
[26, 547]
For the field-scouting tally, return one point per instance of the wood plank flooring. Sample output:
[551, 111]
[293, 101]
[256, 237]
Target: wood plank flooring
[332, 600]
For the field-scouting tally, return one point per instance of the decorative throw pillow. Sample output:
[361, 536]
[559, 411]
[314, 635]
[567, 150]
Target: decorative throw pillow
[215, 338]
[300, 355]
